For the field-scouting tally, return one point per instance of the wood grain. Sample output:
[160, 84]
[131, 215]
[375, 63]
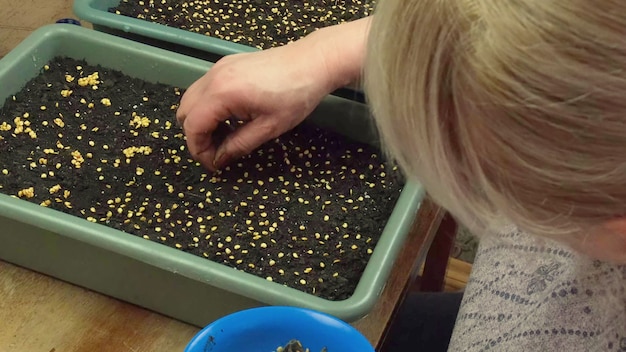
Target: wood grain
[39, 313]
[19, 18]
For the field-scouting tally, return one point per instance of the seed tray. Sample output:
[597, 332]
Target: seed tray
[164, 279]
[205, 47]
[211, 27]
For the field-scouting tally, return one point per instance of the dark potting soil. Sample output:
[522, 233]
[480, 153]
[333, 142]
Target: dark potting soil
[304, 210]
[258, 23]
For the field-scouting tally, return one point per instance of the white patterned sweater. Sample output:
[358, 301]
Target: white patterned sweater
[530, 294]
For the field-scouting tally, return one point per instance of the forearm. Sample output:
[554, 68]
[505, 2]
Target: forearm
[343, 48]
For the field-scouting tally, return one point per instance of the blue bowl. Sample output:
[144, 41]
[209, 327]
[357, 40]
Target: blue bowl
[267, 328]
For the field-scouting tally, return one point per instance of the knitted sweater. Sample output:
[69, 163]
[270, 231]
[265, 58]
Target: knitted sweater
[531, 294]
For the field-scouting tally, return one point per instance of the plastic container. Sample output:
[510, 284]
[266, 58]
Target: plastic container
[170, 38]
[264, 329]
[146, 273]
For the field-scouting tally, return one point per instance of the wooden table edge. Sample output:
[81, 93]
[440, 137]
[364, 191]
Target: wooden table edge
[374, 326]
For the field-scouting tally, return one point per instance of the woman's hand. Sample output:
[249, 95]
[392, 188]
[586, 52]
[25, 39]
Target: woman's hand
[272, 91]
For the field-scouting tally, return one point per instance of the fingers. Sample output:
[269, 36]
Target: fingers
[244, 140]
[198, 126]
[187, 102]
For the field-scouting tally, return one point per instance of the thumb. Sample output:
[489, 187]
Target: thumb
[244, 140]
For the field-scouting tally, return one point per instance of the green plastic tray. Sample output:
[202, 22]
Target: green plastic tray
[175, 39]
[146, 273]
[170, 38]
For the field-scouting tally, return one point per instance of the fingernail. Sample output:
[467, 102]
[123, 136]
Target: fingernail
[218, 157]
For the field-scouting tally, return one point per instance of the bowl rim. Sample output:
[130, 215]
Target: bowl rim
[268, 310]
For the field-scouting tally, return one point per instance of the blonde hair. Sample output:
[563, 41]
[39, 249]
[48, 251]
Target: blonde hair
[506, 111]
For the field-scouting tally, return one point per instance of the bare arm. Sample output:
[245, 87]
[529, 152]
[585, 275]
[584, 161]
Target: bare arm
[273, 90]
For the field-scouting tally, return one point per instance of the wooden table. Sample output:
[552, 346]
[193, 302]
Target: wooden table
[41, 314]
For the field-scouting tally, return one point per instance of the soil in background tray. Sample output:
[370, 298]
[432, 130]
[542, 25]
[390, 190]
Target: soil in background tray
[304, 210]
[258, 23]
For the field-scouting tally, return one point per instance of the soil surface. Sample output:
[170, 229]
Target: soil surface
[305, 210]
[258, 23]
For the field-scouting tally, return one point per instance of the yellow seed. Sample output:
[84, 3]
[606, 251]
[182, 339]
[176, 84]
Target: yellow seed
[27, 192]
[105, 101]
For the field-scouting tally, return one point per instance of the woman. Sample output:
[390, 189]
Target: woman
[513, 117]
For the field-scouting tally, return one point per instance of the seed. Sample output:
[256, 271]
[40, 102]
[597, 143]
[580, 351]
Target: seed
[27, 192]
[302, 281]
[272, 262]
[269, 278]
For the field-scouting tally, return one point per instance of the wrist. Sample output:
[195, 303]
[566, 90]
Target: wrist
[341, 52]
